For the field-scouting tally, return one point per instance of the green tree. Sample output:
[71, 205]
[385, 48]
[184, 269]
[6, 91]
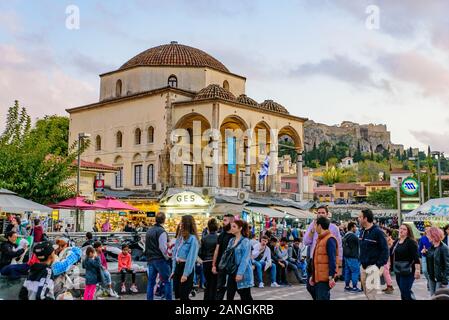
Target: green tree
[55, 129]
[369, 170]
[324, 150]
[358, 157]
[287, 147]
[385, 198]
[332, 175]
[28, 166]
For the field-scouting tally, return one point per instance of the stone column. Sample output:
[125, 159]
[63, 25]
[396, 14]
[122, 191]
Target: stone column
[248, 166]
[299, 174]
[273, 168]
[215, 137]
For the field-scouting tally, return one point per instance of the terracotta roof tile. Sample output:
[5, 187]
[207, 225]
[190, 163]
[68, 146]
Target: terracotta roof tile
[273, 106]
[214, 91]
[93, 165]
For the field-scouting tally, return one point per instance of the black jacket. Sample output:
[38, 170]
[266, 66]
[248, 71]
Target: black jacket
[8, 253]
[438, 263]
[39, 284]
[350, 244]
[208, 245]
[373, 247]
[152, 250]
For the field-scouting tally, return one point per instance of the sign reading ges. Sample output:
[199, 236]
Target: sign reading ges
[410, 186]
[186, 199]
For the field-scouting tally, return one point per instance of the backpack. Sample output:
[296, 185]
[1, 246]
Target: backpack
[227, 263]
[345, 244]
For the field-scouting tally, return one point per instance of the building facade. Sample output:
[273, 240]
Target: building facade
[173, 116]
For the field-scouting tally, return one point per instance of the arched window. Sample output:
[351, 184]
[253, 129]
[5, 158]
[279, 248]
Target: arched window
[150, 174]
[226, 85]
[118, 88]
[119, 138]
[98, 143]
[137, 136]
[150, 135]
[173, 81]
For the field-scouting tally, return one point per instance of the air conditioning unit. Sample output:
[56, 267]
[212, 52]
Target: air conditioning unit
[243, 196]
[208, 192]
[297, 197]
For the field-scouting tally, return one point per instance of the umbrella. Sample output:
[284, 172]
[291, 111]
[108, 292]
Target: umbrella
[112, 204]
[434, 209]
[12, 203]
[76, 203]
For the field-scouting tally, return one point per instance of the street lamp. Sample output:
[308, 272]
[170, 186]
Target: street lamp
[81, 136]
[418, 168]
[439, 154]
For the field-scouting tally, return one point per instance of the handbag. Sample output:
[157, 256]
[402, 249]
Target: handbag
[402, 268]
[227, 262]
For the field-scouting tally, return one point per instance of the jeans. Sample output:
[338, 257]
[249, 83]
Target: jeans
[292, 266]
[245, 293]
[15, 271]
[424, 270]
[434, 286]
[260, 266]
[322, 291]
[161, 267]
[211, 282]
[107, 278]
[198, 278]
[352, 271]
[405, 284]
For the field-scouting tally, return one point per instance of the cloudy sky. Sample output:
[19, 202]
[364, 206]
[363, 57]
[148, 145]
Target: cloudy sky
[325, 60]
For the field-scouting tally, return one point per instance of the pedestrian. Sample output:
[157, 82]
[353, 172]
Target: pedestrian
[106, 275]
[156, 251]
[424, 244]
[18, 227]
[38, 231]
[89, 240]
[185, 254]
[206, 253]
[124, 267]
[324, 261]
[297, 254]
[92, 264]
[222, 243]
[261, 259]
[282, 254]
[106, 226]
[446, 235]
[374, 252]
[351, 258]
[10, 250]
[437, 258]
[406, 264]
[311, 237]
[386, 273]
[242, 279]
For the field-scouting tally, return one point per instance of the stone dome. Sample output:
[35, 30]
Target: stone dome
[243, 98]
[175, 54]
[214, 91]
[273, 106]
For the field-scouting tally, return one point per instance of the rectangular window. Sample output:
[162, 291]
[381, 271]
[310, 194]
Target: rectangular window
[209, 172]
[150, 174]
[287, 186]
[119, 178]
[188, 175]
[260, 184]
[138, 175]
[242, 179]
[342, 194]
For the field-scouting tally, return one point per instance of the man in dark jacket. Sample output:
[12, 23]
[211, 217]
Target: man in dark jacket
[9, 250]
[351, 256]
[374, 253]
[156, 241]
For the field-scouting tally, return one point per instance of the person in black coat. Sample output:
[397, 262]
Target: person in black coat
[437, 261]
[446, 235]
[206, 254]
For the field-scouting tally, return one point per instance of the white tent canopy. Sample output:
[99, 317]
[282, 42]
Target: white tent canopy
[271, 213]
[297, 213]
[434, 209]
[10, 202]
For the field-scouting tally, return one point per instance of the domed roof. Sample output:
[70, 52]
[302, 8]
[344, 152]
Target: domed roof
[273, 106]
[214, 91]
[175, 54]
[243, 98]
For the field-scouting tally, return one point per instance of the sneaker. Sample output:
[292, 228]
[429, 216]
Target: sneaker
[134, 289]
[348, 289]
[356, 290]
[261, 285]
[123, 288]
[112, 293]
[275, 285]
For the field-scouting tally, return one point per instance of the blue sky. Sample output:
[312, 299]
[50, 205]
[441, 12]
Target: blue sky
[315, 57]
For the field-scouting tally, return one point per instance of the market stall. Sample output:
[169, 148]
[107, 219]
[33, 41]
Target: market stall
[435, 211]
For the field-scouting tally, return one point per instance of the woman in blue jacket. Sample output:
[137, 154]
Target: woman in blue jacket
[185, 254]
[243, 279]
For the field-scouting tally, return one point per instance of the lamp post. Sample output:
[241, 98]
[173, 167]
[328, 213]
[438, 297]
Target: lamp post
[418, 169]
[439, 154]
[81, 136]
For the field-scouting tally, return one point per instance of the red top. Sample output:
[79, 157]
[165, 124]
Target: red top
[33, 260]
[124, 261]
[104, 263]
[38, 232]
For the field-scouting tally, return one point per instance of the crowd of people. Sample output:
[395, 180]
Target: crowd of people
[230, 259]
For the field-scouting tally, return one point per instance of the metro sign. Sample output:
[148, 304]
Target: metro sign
[410, 186]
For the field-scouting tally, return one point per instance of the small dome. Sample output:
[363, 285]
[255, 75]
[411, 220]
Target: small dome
[243, 98]
[273, 106]
[214, 91]
[175, 54]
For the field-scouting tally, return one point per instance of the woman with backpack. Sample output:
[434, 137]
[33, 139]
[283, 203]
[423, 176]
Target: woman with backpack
[185, 254]
[242, 279]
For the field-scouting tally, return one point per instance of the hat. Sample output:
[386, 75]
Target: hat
[43, 250]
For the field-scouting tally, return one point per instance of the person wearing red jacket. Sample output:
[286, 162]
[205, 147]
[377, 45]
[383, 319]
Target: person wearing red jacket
[124, 267]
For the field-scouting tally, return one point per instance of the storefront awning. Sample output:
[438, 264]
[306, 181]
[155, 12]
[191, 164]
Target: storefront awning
[225, 208]
[266, 211]
[297, 213]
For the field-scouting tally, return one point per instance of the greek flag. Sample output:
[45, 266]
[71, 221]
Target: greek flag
[264, 168]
